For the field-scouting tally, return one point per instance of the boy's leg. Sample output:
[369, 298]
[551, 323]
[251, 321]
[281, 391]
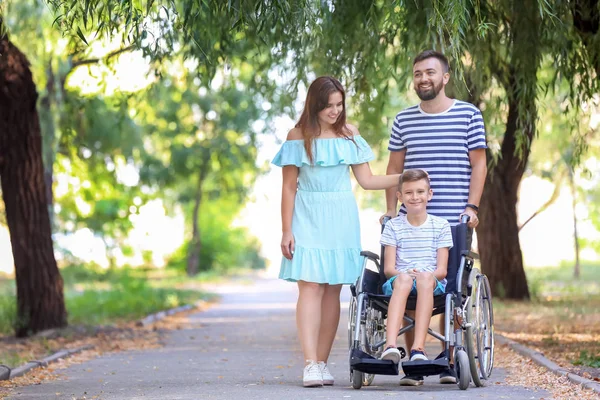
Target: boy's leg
[402, 287]
[425, 287]
[409, 336]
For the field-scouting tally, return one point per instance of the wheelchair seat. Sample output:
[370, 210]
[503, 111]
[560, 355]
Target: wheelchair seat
[466, 305]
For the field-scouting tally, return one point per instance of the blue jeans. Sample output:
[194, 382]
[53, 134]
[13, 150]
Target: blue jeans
[388, 287]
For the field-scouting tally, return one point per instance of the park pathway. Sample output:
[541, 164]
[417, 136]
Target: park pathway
[243, 348]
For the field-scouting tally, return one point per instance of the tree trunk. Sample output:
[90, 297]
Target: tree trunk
[40, 301]
[193, 262]
[577, 268]
[498, 237]
[47, 123]
[498, 231]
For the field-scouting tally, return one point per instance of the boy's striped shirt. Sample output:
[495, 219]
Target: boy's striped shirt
[416, 246]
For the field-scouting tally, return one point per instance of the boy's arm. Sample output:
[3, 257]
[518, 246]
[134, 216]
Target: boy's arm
[444, 243]
[441, 269]
[389, 261]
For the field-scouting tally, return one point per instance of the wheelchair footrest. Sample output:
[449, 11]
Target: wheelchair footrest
[426, 367]
[363, 362]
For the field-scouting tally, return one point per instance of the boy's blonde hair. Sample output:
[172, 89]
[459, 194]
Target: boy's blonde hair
[413, 175]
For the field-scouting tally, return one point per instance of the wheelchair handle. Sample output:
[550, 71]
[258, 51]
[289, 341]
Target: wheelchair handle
[464, 219]
[386, 219]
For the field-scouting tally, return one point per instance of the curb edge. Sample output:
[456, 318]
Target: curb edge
[539, 359]
[23, 369]
[148, 320]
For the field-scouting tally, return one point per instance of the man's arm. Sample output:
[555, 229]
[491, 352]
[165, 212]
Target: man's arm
[395, 166]
[478, 173]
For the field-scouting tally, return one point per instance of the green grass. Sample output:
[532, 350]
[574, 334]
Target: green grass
[97, 297]
[588, 360]
[559, 282]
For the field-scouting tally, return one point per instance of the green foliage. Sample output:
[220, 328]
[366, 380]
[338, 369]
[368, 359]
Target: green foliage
[587, 359]
[124, 299]
[96, 296]
[8, 307]
[223, 248]
[104, 143]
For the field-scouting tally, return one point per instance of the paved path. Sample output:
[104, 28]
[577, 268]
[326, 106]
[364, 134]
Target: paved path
[243, 348]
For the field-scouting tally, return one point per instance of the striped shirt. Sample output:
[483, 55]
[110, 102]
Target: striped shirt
[440, 144]
[416, 246]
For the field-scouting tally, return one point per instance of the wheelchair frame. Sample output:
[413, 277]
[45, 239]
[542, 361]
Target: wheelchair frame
[468, 321]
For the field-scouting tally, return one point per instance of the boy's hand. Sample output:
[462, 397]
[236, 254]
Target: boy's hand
[413, 273]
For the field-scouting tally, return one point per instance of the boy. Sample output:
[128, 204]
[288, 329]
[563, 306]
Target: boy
[416, 259]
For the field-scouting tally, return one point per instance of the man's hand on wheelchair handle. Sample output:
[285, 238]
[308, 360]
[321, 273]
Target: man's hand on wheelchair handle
[473, 219]
[389, 213]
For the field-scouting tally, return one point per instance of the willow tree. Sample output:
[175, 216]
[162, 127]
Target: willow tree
[40, 302]
[498, 49]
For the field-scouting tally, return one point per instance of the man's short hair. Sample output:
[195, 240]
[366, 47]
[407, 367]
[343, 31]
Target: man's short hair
[424, 55]
[413, 175]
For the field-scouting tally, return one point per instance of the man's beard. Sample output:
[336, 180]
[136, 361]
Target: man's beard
[430, 94]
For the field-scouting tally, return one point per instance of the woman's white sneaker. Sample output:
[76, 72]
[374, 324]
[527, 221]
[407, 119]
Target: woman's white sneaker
[312, 375]
[325, 374]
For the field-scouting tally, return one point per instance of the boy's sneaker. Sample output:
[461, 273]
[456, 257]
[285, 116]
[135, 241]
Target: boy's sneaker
[417, 355]
[411, 380]
[391, 353]
[325, 374]
[448, 376]
[312, 375]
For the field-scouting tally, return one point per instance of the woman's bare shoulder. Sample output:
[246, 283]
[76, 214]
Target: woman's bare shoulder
[295, 134]
[353, 129]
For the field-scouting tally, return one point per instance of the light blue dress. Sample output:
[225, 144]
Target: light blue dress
[325, 222]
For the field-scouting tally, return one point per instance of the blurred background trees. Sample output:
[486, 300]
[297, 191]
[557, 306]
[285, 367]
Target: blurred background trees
[215, 75]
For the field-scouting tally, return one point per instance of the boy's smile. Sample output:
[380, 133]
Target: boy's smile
[415, 196]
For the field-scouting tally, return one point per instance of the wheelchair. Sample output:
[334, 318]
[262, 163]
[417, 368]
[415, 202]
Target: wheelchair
[468, 320]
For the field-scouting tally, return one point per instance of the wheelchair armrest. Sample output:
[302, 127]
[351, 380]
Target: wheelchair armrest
[470, 254]
[369, 254]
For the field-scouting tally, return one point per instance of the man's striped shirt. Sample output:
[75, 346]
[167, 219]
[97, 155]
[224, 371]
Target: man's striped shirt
[440, 144]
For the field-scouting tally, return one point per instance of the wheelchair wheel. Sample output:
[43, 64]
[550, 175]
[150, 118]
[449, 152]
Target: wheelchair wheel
[479, 338]
[463, 371]
[357, 379]
[372, 330]
[485, 342]
[473, 320]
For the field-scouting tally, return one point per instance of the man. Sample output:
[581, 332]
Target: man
[446, 138]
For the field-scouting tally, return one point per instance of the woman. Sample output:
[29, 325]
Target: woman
[321, 233]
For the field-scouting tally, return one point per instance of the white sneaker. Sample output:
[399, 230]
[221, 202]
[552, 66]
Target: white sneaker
[326, 375]
[312, 375]
[391, 353]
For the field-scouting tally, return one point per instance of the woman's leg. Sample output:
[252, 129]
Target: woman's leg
[330, 318]
[425, 286]
[308, 317]
[397, 306]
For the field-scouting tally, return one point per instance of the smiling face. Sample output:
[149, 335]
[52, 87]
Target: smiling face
[415, 196]
[429, 78]
[332, 111]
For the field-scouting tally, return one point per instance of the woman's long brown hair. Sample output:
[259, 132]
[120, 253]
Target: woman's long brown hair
[316, 101]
